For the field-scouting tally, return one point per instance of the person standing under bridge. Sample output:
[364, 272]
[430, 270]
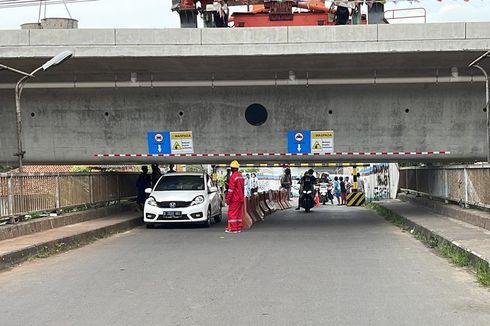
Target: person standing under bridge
[143, 182]
[234, 199]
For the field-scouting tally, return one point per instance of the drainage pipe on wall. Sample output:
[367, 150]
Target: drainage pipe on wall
[252, 83]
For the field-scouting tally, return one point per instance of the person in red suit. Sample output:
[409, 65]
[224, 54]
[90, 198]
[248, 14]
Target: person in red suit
[234, 199]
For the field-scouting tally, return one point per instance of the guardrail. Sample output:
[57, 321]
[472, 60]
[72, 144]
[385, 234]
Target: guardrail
[406, 13]
[467, 185]
[24, 193]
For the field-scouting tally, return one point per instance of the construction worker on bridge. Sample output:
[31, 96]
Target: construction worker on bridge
[234, 199]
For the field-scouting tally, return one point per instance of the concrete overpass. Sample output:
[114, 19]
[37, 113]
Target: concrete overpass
[383, 89]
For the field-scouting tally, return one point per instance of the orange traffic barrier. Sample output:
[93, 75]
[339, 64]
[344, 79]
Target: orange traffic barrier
[277, 200]
[252, 210]
[270, 202]
[258, 211]
[263, 205]
[246, 219]
[287, 199]
[284, 199]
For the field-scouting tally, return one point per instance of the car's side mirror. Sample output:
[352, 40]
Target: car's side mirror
[148, 191]
[213, 189]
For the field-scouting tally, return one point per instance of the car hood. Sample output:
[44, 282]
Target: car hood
[177, 195]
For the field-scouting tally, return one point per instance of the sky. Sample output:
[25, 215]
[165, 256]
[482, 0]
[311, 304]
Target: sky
[157, 13]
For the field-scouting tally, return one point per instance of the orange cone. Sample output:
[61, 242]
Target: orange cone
[317, 200]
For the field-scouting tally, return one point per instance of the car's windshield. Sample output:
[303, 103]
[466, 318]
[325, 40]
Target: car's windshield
[180, 182]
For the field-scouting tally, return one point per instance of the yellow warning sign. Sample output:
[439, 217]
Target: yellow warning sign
[181, 134]
[177, 146]
[322, 141]
[181, 142]
[321, 134]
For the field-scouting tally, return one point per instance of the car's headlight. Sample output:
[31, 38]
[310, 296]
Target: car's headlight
[309, 192]
[151, 201]
[304, 191]
[198, 200]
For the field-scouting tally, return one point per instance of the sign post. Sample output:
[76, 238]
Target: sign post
[158, 142]
[299, 141]
[322, 142]
[181, 142]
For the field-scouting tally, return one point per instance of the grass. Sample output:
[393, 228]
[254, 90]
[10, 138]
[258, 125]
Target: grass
[456, 255]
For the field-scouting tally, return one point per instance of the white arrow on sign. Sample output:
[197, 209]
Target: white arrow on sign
[299, 147]
[159, 148]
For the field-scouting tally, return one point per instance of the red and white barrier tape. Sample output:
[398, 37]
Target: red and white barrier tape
[416, 153]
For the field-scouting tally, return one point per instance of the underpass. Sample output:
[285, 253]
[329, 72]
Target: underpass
[335, 265]
[387, 96]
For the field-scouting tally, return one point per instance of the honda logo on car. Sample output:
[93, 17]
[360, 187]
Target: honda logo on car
[172, 205]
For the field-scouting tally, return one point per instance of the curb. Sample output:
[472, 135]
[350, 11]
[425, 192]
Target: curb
[433, 237]
[11, 231]
[471, 216]
[60, 245]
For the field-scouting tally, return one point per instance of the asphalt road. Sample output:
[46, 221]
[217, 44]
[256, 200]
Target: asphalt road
[334, 266]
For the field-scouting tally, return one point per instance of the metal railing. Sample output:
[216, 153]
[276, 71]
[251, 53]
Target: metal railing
[23, 193]
[406, 13]
[467, 185]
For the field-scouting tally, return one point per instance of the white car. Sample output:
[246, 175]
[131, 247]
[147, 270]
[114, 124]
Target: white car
[183, 198]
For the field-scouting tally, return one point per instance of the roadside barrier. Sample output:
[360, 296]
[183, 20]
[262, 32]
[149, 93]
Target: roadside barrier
[285, 200]
[269, 200]
[355, 199]
[277, 199]
[257, 207]
[246, 218]
[258, 210]
[263, 205]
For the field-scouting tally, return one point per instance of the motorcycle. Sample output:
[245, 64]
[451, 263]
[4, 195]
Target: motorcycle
[323, 191]
[307, 200]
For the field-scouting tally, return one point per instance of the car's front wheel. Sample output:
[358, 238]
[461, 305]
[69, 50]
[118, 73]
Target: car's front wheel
[207, 223]
[219, 217]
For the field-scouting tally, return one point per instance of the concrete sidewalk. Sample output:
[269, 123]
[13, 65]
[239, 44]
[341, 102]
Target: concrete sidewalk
[40, 244]
[473, 239]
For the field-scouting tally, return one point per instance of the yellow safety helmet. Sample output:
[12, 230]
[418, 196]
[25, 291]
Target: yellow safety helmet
[235, 164]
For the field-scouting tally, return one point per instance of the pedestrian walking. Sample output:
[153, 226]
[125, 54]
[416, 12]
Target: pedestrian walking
[171, 168]
[254, 183]
[227, 179]
[360, 183]
[330, 191]
[286, 181]
[343, 191]
[248, 185]
[155, 174]
[348, 185]
[143, 182]
[235, 199]
[336, 189]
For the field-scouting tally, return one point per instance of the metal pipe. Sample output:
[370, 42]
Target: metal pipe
[251, 83]
[4, 67]
[486, 107]
[18, 119]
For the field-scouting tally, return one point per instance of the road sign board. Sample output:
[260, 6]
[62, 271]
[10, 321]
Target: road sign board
[181, 142]
[299, 141]
[322, 141]
[158, 142]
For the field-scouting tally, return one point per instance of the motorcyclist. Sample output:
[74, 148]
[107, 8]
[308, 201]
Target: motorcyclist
[310, 177]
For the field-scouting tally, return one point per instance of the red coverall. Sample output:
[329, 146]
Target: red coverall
[235, 198]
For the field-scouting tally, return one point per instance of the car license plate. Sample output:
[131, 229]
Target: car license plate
[174, 214]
